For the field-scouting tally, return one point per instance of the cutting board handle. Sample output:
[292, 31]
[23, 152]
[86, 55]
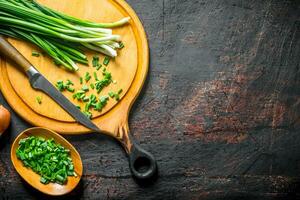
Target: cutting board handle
[13, 54]
[141, 162]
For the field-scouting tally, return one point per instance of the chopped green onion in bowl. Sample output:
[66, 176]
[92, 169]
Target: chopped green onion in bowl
[47, 158]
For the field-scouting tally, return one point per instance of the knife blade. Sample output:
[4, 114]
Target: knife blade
[39, 82]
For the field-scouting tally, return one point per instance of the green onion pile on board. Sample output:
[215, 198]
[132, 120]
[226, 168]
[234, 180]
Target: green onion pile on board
[89, 83]
[61, 36]
[47, 158]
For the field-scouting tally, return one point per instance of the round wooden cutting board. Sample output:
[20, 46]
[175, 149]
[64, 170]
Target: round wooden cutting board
[128, 69]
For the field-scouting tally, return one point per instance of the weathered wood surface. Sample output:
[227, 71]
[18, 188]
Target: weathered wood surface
[220, 109]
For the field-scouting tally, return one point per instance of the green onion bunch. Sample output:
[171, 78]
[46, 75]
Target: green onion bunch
[47, 158]
[61, 36]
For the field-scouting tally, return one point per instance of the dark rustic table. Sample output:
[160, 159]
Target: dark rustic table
[220, 109]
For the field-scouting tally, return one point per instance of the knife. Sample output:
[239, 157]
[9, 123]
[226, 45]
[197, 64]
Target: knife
[138, 157]
[39, 82]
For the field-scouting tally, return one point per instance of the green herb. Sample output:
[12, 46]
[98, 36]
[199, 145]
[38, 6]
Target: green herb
[106, 60]
[36, 54]
[114, 95]
[93, 98]
[85, 99]
[95, 76]
[81, 80]
[59, 35]
[101, 103]
[104, 99]
[69, 82]
[111, 94]
[88, 114]
[95, 61]
[47, 158]
[61, 86]
[43, 180]
[121, 45]
[39, 99]
[79, 95]
[87, 77]
[82, 96]
[57, 63]
[98, 67]
[92, 86]
[87, 107]
[100, 84]
[85, 88]
[70, 89]
[90, 102]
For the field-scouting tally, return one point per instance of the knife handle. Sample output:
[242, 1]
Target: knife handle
[13, 54]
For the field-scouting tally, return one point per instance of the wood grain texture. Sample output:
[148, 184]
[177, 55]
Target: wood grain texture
[220, 110]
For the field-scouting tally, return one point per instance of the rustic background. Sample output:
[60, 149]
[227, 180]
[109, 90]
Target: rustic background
[220, 109]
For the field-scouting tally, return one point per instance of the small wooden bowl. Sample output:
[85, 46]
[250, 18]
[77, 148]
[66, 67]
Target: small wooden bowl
[33, 178]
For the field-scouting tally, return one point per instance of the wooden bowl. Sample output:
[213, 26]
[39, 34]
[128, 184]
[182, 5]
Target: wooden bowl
[33, 178]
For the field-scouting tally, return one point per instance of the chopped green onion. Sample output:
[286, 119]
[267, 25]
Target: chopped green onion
[85, 88]
[39, 99]
[114, 95]
[43, 180]
[92, 86]
[47, 158]
[79, 95]
[82, 96]
[95, 76]
[36, 54]
[121, 45]
[88, 114]
[100, 84]
[61, 86]
[106, 60]
[69, 82]
[111, 94]
[87, 77]
[70, 89]
[85, 99]
[101, 103]
[59, 178]
[95, 61]
[98, 67]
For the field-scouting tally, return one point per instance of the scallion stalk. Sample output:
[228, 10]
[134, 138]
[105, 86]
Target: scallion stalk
[52, 30]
